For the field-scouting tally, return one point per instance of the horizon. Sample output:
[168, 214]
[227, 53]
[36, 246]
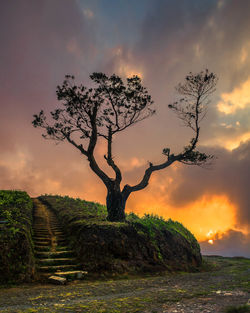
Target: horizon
[160, 41]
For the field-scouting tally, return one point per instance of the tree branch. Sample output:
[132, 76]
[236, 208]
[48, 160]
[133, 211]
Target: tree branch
[191, 111]
[110, 160]
[145, 179]
[90, 152]
[79, 147]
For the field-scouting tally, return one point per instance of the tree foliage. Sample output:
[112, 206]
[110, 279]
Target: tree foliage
[110, 107]
[191, 108]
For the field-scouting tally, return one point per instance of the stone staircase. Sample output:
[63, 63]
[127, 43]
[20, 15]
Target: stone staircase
[53, 257]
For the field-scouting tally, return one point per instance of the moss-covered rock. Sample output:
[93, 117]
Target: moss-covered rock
[16, 253]
[146, 244]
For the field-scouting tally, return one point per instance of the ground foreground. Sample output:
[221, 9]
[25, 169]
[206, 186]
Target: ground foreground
[226, 284]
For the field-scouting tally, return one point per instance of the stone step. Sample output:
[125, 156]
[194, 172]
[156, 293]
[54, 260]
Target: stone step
[61, 258]
[45, 235]
[72, 274]
[57, 234]
[42, 248]
[41, 238]
[61, 238]
[61, 243]
[56, 254]
[55, 268]
[42, 242]
[61, 235]
[57, 280]
[40, 231]
[39, 219]
[61, 248]
[57, 261]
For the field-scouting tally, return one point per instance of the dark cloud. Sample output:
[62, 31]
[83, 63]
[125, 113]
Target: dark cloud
[183, 36]
[230, 243]
[229, 176]
[40, 43]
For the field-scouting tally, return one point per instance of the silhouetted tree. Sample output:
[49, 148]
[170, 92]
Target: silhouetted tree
[111, 107]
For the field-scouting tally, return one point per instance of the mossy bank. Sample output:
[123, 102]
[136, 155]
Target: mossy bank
[147, 244]
[17, 261]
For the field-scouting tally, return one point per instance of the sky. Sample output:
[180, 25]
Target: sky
[161, 41]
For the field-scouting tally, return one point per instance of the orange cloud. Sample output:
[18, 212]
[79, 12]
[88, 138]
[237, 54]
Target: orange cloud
[229, 142]
[239, 98]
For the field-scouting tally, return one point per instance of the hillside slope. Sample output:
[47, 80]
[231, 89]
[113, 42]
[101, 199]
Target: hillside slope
[147, 244]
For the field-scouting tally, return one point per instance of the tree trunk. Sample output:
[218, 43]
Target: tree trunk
[116, 205]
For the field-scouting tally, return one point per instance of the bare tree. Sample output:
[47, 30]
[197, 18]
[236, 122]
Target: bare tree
[111, 107]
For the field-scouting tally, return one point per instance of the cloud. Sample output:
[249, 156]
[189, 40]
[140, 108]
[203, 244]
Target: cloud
[231, 243]
[35, 55]
[88, 13]
[239, 98]
[40, 173]
[230, 176]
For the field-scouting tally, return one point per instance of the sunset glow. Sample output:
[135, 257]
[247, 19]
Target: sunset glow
[204, 217]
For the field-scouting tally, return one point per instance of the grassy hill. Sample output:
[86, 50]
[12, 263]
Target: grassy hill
[146, 244]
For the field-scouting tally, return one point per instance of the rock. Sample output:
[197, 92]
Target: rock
[57, 280]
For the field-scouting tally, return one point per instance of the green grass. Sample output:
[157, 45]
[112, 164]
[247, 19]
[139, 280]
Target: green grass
[71, 209]
[15, 207]
[153, 222]
[16, 253]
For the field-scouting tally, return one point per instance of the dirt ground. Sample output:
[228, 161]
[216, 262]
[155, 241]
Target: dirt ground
[227, 283]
